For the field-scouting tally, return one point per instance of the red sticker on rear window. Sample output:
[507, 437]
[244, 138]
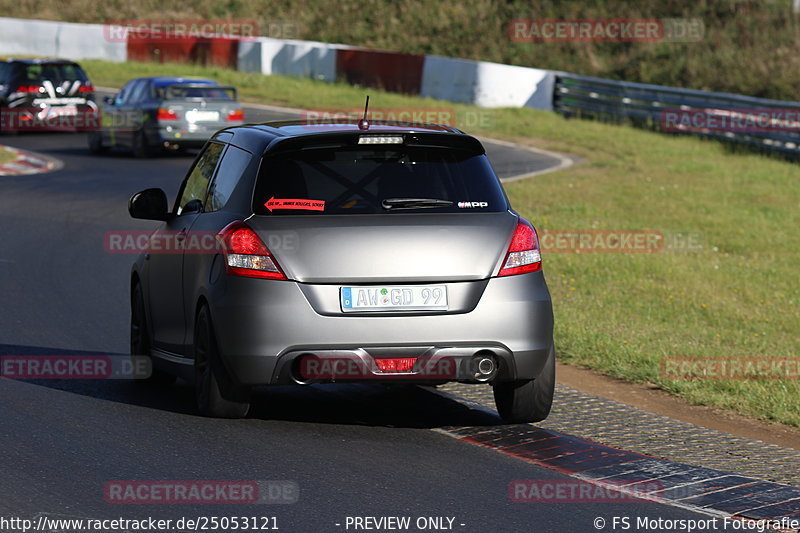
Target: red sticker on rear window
[294, 203]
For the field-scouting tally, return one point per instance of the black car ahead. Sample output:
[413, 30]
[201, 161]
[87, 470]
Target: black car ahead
[44, 95]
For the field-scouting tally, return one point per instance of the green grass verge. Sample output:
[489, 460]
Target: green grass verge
[6, 156]
[736, 296]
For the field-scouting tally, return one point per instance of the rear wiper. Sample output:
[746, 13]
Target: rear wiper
[414, 203]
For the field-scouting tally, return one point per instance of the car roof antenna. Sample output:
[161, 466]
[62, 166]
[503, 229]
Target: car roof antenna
[363, 124]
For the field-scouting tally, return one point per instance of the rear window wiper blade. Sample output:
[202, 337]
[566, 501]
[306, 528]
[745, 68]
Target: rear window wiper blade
[414, 203]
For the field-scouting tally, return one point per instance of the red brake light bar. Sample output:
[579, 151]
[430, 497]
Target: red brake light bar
[405, 364]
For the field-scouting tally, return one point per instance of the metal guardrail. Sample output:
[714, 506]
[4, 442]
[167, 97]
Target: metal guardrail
[768, 125]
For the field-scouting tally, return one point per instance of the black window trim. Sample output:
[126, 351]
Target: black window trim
[213, 182]
[191, 169]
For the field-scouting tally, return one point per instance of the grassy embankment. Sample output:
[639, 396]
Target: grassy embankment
[749, 46]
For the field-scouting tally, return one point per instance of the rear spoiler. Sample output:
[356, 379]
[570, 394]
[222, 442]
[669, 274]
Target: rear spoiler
[168, 90]
[312, 141]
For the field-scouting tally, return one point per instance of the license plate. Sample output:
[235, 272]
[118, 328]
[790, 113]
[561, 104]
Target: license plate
[202, 116]
[394, 298]
[62, 111]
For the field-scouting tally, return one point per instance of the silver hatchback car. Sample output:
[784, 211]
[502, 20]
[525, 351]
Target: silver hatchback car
[299, 253]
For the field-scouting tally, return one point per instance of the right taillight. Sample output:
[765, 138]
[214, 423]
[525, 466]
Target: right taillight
[245, 253]
[523, 253]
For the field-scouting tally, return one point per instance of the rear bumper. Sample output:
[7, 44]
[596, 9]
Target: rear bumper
[51, 117]
[264, 326]
[431, 364]
[187, 134]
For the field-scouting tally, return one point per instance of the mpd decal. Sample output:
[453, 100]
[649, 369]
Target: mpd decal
[471, 205]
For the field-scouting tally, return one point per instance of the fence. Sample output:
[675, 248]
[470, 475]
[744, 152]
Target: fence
[769, 125]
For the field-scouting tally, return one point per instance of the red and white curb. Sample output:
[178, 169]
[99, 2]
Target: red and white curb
[751, 503]
[27, 163]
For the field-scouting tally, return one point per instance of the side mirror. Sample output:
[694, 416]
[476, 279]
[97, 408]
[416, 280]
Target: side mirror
[193, 206]
[149, 204]
[108, 100]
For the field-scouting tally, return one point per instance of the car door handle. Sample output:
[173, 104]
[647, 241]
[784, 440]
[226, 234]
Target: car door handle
[181, 236]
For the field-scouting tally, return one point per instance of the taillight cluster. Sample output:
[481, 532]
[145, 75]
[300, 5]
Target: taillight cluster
[523, 253]
[237, 116]
[166, 114]
[29, 89]
[245, 253]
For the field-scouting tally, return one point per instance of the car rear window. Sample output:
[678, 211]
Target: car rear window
[177, 92]
[5, 72]
[356, 180]
[54, 72]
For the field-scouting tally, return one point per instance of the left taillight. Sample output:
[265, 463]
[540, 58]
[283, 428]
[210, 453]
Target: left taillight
[246, 254]
[523, 254]
[166, 114]
[237, 116]
[29, 89]
[88, 88]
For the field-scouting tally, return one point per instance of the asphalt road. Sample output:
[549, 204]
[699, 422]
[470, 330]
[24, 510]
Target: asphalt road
[351, 450]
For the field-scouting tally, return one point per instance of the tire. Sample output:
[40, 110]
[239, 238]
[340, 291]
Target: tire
[140, 342]
[96, 143]
[140, 147]
[216, 394]
[528, 400]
